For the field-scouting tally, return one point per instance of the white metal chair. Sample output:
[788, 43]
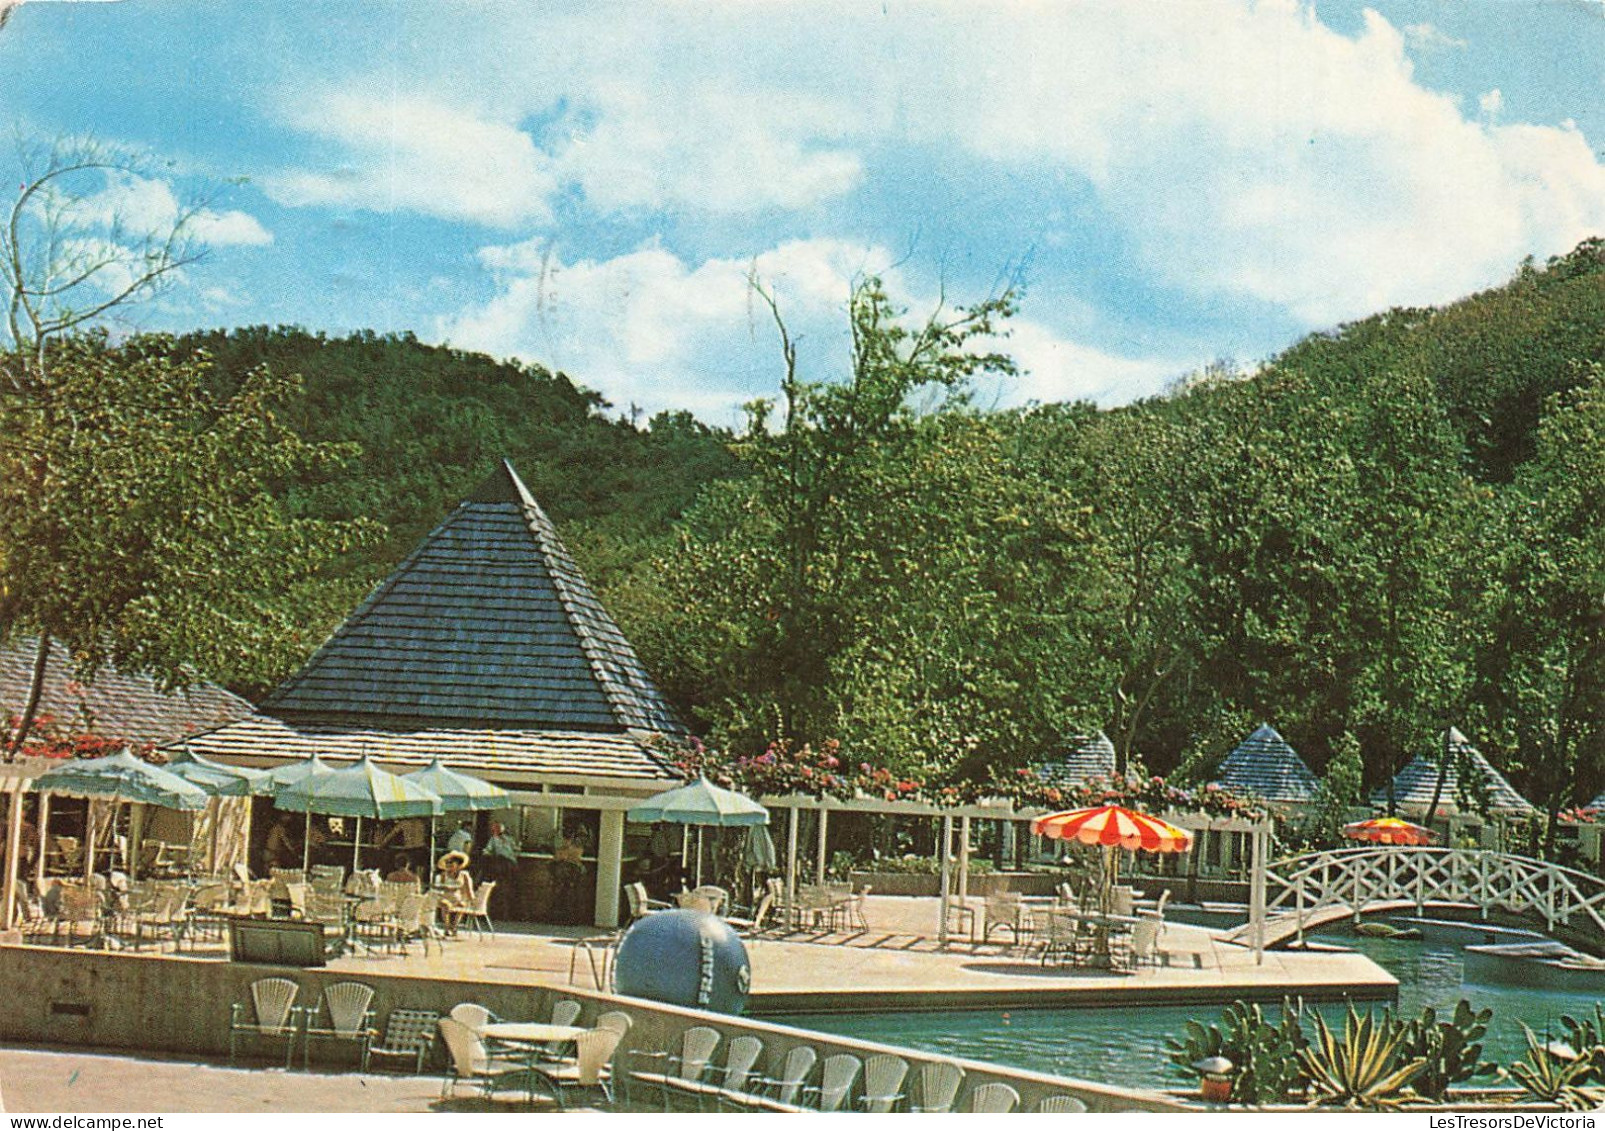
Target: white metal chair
[271, 1013]
[785, 1088]
[589, 1068]
[883, 1083]
[1145, 941]
[472, 1014]
[994, 1099]
[564, 1012]
[478, 913]
[1061, 1105]
[737, 1072]
[837, 1076]
[344, 1006]
[682, 1071]
[939, 1082]
[473, 1063]
[617, 1020]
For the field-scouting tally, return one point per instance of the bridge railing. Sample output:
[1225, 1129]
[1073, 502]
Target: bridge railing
[1308, 885]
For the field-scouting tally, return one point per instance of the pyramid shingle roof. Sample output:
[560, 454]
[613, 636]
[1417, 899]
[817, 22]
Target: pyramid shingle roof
[1264, 765]
[113, 705]
[487, 624]
[1087, 756]
[1413, 786]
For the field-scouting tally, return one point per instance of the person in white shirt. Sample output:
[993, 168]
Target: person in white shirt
[462, 840]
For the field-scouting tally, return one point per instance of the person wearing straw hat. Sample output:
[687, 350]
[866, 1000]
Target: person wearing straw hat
[458, 888]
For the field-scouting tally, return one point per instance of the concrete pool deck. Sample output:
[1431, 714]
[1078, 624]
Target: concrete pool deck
[895, 966]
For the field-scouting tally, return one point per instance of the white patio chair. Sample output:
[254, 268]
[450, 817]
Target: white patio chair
[1145, 940]
[479, 912]
[785, 1088]
[837, 1076]
[994, 1099]
[589, 1069]
[344, 1006]
[883, 1083]
[617, 1020]
[473, 1015]
[564, 1012]
[682, 1071]
[1061, 1105]
[472, 1063]
[736, 1074]
[271, 1012]
[640, 903]
[939, 1082]
[409, 1035]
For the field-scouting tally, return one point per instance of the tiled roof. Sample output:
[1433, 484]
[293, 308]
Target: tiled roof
[1087, 756]
[1266, 766]
[1598, 804]
[501, 756]
[113, 705]
[487, 624]
[1413, 786]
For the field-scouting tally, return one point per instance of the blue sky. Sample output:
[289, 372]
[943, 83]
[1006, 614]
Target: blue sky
[590, 186]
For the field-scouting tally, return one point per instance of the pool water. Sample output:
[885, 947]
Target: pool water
[1127, 1045]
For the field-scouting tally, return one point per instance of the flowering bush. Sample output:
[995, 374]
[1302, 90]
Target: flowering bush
[48, 739]
[783, 767]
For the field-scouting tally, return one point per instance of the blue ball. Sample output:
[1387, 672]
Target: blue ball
[688, 958]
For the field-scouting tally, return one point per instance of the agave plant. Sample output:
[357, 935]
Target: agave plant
[1556, 1075]
[1363, 1070]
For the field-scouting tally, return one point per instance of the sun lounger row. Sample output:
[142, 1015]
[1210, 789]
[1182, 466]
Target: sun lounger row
[798, 1080]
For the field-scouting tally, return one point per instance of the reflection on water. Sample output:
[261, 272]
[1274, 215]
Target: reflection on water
[1126, 1045]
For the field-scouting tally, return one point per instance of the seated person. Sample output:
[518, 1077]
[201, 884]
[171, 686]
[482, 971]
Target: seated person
[457, 888]
[401, 871]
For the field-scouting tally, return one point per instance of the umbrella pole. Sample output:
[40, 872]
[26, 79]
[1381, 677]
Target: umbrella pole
[89, 839]
[217, 820]
[699, 855]
[306, 844]
[356, 845]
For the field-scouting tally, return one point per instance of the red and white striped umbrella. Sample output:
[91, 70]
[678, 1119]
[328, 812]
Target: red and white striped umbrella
[1114, 825]
[1388, 830]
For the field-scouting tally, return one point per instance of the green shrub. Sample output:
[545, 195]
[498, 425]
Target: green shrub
[1448, 1050]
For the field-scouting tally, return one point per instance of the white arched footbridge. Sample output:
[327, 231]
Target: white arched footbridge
[1308, 891]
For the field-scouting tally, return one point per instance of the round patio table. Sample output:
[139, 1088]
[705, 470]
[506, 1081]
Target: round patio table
[530, 1032]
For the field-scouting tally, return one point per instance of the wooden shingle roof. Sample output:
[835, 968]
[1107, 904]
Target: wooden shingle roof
[1264, 765]
[1087, 756]
[507, 757]
[1413, 786]
[113, 705]
[488, 624]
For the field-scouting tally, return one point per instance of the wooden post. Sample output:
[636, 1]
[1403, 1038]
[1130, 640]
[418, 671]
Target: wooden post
[609, 867]
[791, 863]
[819, 864]
[1256, 910]
[942, 846]
[44, 840]
[13, 853]
[964, 859]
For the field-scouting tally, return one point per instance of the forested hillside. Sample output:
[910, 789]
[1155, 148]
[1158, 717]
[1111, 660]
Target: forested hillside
[1389, 528]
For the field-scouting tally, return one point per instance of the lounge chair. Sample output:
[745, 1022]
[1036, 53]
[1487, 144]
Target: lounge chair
[589, 1068]
[270, 1013]
[883, 1083]
[782, 1091]
[342, 1014]
[837, 1076]
[1061, 1105]
[472, 1063]
[682, 1071]
[409, 1035]
[994, 1099]
[939, 1082]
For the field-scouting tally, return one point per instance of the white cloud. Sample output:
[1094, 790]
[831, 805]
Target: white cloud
[649, 329]
[1491, 103]
[413, 154]
[133, 206]
[1428, 37]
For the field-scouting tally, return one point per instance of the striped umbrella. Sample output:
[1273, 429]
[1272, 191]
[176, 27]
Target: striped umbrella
[1388, 830]
[359, 790]
[1113, 826]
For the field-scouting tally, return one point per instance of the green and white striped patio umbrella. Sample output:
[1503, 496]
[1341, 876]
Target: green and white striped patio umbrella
[360, 790]
[700, 803]
[458, 792]
[122, 777]
[217, 779]
[292, 772]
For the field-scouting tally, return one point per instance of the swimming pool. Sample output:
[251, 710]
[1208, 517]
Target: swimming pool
[1126, 1046]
